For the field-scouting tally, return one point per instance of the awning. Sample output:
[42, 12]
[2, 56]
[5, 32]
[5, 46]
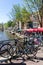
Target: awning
[40, 29]
[29, 30]
[35, 30]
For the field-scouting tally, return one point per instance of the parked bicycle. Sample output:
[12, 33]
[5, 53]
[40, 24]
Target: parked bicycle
[30, 45]
[6, 50]
[25, 48]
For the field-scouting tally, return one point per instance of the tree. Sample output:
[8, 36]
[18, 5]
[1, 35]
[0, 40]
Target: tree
[25, 15]
[9, 23]
[16, 13]
[20, 14]
[13, 24]
[5, 25]
[35, 7]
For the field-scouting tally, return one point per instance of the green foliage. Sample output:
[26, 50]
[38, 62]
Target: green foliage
[16, 12]
[13, 24]
[5, 25]
[25, 14]
[20, 14]
[35, 6]
[9, 23]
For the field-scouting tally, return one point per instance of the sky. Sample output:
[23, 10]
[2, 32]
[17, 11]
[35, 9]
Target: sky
[5, 9]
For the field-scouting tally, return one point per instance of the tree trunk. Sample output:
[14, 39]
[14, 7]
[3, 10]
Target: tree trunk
[40, 24]
[22, 25]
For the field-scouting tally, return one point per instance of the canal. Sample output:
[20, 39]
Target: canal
[5, 36]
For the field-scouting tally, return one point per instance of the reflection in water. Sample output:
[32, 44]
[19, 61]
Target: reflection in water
[3, 36]
[6, 36]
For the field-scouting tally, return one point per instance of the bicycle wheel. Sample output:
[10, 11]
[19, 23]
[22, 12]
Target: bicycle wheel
[34, 51]
[7, 51]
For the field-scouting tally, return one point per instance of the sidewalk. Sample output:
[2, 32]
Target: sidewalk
[29, 61]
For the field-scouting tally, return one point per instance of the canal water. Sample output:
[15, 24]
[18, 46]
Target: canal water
[5, 36]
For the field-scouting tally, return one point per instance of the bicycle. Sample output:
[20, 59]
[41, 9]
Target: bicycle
[6, 50]
[25, 48]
